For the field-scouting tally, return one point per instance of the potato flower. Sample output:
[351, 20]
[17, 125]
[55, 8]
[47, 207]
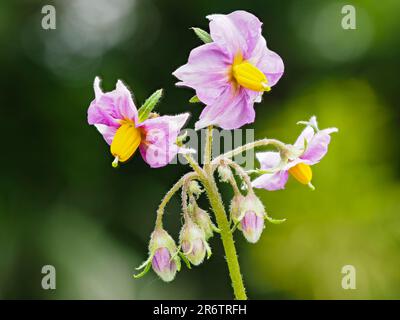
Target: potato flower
[309, 148]
[232, 72]
[115, 116]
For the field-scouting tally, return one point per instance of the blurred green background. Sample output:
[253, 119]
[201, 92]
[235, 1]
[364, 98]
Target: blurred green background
[61, 202]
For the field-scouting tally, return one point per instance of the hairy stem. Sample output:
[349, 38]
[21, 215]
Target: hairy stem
[208, 149]
[168, 196]
[223, 224]
[184, 195]
[239, 170]
[227, 238]
[259, 143]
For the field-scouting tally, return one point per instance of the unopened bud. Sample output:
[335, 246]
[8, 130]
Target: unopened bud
[250, 214]
[252, 226]
[224, 173]
[203, 220]
[235, 207]
[165, 260]
[193, 242]
[195, 188]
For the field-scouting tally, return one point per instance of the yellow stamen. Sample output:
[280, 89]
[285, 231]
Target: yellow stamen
[301, 172]
[248, 75]
[126, 141]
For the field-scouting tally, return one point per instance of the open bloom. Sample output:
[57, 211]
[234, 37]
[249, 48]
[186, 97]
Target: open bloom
[231, 73]
[309, 148]
[115, 116]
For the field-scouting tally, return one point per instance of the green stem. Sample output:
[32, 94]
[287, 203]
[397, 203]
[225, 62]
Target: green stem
[263, 142]
[227, 238]
[168, 196]
[208, 149]
[223, 224]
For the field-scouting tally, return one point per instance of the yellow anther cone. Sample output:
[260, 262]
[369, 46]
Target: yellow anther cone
[301, 172]
[126, 141]
[250, 77]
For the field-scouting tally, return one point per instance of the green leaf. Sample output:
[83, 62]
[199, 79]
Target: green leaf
[194, 99]
[149, 105]
[203, 35]
[145, 270]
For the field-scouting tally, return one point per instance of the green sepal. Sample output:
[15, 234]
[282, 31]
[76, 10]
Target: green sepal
[235, 226]
[144, 264]
[145, 270]
[203, 35]
[180, 141]
[149, 105]
[185, 260]
[274, 221]
[208, 248]
[194, 99]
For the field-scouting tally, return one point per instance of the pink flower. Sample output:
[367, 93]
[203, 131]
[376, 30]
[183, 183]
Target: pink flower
[115, 116]
[231, 73]
[309, 148]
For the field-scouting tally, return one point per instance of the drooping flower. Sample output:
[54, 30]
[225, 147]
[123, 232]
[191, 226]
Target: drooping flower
[115, 116]
[231, 73]
[163, 252]
[250, 214]
[193, 242]
[203, 220]
[309, 148]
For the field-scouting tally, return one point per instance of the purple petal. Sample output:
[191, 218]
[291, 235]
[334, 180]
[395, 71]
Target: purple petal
[163, 265]
[159, 145]
[271, 181]
[207, 71]
[231, 111]
[252, 226]
[237, 32]
[318, 146]
[268, 160]
[305, 137]
[108, 109]
[107, 132]
[268, 61]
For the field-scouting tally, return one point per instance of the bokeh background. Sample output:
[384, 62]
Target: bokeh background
[61, 202]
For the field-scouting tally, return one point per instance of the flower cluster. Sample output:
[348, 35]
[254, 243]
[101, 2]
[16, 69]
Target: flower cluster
[229, 72]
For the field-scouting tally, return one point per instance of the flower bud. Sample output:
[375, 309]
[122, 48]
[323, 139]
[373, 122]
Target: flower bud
[235, 207]
[165, 260]
[250, 214]
[252, 226]
[193, 242]
[224, 173]
[203, 220]
[195, 188]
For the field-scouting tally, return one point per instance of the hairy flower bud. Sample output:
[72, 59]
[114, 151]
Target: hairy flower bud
[252, 226]
[203, 220]
[193, 242]
[195, 188]
[165, 260]
[250, 214]
[224, 173]
[235, 207]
